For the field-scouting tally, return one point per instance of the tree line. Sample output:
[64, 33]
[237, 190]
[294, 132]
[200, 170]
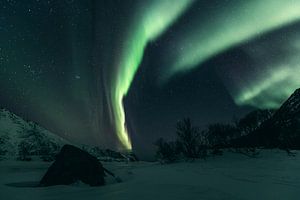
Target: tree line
[192, 143]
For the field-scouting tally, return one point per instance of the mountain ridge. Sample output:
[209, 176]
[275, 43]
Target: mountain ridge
[19, 137]
[282, 130]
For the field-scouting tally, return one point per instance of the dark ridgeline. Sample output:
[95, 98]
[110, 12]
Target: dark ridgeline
[73, 164]
[281, 130]
[258, 129]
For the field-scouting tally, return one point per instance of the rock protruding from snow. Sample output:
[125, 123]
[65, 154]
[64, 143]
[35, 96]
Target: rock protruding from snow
[71, 165]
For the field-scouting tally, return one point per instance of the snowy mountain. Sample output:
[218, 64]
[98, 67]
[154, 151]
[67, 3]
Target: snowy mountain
[19, 138]
[22, 140]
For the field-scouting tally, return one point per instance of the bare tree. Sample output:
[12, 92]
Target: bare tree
[167, 152]
[191, 139]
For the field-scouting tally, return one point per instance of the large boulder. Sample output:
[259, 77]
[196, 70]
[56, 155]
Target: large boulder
[71, 165]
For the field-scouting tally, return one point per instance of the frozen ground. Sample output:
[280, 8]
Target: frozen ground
[273, 175]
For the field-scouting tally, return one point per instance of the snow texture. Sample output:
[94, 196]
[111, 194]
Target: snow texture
[14, 130]
[273, 175]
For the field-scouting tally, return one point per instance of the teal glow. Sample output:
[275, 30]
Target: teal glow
[272, 90]
[226, 27]
[274, 75]
[150, 22]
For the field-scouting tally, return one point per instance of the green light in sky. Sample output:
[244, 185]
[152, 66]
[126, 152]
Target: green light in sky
[272, 89]
[227, 26]
[150, 22]
[274, 74]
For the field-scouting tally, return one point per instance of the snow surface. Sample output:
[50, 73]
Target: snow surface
[273, 175]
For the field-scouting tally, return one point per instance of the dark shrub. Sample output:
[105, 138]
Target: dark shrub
[189, 139]
[220, 135]
[167, 152]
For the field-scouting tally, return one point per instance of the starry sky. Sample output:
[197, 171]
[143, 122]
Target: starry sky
[120, 74]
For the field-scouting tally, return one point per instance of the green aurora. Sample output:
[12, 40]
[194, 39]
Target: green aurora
[221, 30]
[228, 27]
[150, 22]
[72, 65]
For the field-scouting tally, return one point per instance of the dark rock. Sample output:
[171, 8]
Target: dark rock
[73, 164]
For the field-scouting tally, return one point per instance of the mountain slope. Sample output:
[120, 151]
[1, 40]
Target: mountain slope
[17, 135]
[21, 139]
[289, 111]
[282, 130]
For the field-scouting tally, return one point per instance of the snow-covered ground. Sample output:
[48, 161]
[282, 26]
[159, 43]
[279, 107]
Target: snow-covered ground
[273, 175]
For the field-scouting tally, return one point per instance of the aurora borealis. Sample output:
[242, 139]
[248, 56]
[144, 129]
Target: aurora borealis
[278, 57]
[152, 20]
[120, 73]
[234, 22]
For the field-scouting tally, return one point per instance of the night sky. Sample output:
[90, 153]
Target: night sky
[120, 74]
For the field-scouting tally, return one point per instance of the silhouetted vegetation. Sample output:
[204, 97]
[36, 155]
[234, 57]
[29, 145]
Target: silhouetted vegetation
[220, 135]
[190, 140]
[167, 152]
[246, 136]
[189, 144]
